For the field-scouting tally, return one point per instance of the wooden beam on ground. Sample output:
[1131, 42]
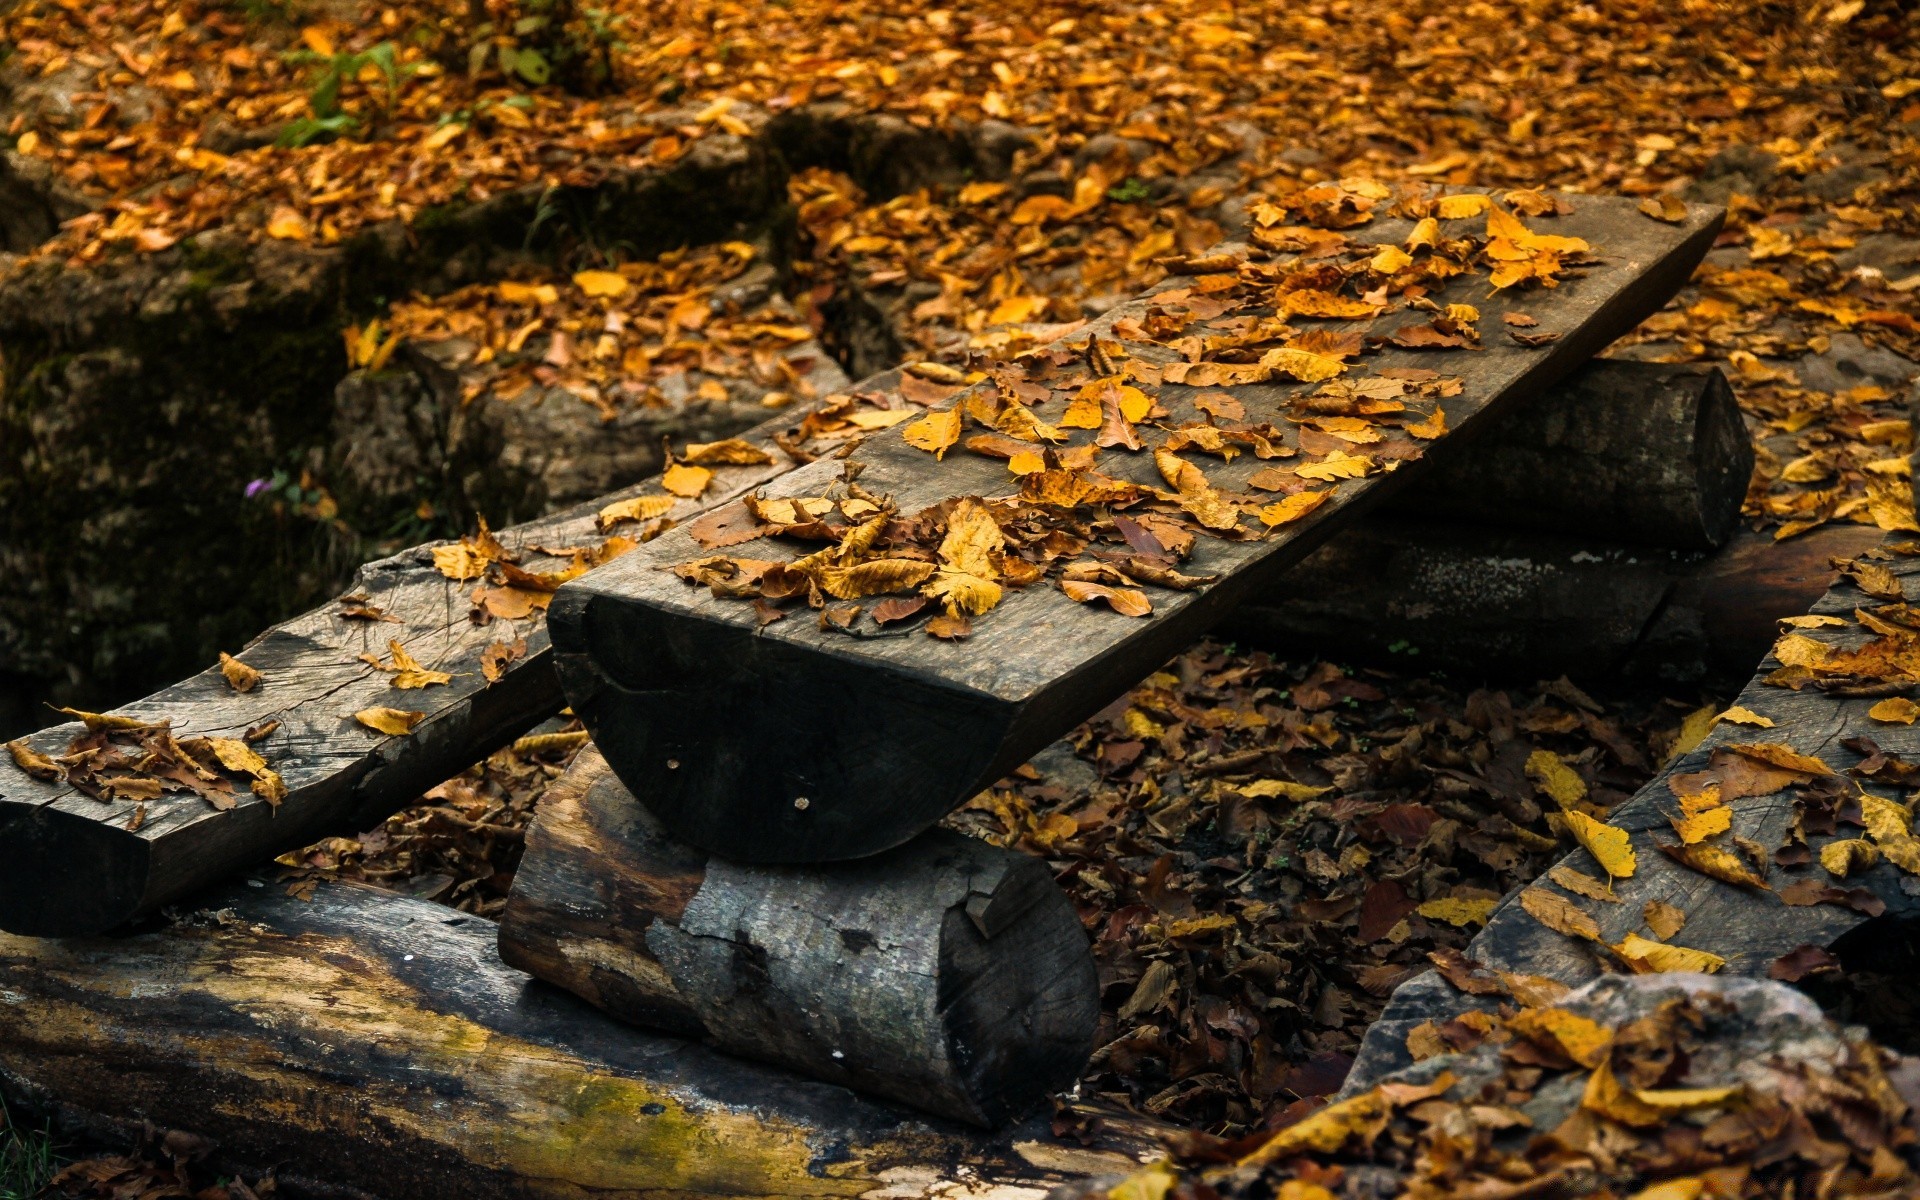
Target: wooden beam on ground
[947, 974]
[1784, 830]
[80, 865]
[1425, 595]
[1639, 453]
[796, 741]
[371, 1044]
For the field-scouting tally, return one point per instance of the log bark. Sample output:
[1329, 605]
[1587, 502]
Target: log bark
[367, 1044]
[947, 974]
[1639, 453]
[722, 727]
[1430, 595]
[83, 866]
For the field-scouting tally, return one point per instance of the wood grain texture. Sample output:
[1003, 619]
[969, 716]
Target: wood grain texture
[80, 865]
[947, 974]
[1639, 453]
[368, 1044]
[1425, 595]
[884, 733]
[1748, 927]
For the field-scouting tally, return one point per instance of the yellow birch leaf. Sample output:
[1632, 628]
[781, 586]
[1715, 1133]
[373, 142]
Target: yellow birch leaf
[1298, 505]
[1282, 789]
[1559, 914]
[239, 676]
[1699, 826]
[1337, 465]
[640, 508]
[1556, 778]
[1326, 1129]
[1651, 957]
[1848, 856]
[601, 283]
[935, 433]
[731, 452]
[393, 721]
[1458, 912]
[1303, 365]
[1895, 710]
[873, 578]
[1457, 208]
[1391, 260]
[1582, 884]
[1610, 847]
[1746, 716]
[1581, 1039]
[1026, 463]
[684, 480]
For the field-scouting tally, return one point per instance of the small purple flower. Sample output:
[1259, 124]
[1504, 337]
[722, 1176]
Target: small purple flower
[256, 487]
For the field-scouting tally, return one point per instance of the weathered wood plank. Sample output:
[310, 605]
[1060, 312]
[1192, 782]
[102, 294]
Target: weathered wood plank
[80, 865]
[1787, 897]
[369, 1044]
[947, 974]
[798, 742]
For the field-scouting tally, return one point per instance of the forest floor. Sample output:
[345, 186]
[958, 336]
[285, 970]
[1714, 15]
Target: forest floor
[1053, 154]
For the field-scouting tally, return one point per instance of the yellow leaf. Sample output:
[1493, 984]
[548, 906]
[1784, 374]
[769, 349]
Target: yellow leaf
[684, 480]
[240, 677]
[601, 283]
[1699, 826]
[640, 508]
[393, 721]
[1559, 914]
[963, 594]
[109, 721]
[1848, 856]
[1785, 757]
[1153, 1183]
[288, 225]
[528, 293]
[1337, 465]
[1581, 1039]
[1325, 1130]
[1556, 778]
[1431, 428]
[1664, 919]
[1128, 602]
[972, 539]
[1283, 789]
[1745, 716]
[732, 452]
[1304, 365]
[935, 433]
[1391, 260]
[1582, 884]
[873, 578]
[1016, 420]
[1458, 912]
[1026, 463]
[35, 763]
[1692, 1187]
[1895, 710]
[1456, 208]
[1610, 847]
[1693, 730]
[1716, 862]
[1650, 956]
[1292, 508]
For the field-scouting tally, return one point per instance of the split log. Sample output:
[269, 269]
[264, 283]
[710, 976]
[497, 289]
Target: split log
[1620, 451]
[1428, 595]
[364, 1043]
[946, 974]
[794, 742]
[1779, 897]
[82, 866]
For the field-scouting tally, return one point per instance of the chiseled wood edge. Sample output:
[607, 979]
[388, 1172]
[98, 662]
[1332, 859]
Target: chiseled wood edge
[80, 866]
[1747, 928]
[370, 1043]
[722, 725]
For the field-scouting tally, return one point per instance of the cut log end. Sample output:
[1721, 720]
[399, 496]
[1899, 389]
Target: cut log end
[946, 974]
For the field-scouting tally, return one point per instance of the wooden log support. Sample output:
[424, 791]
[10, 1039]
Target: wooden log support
[364, 1043]
[1640, 453]
[1423, 595]
[1763, 885]
[796, 742]
[946, 974]
[81, 866]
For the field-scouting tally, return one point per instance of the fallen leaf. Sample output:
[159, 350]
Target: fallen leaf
[240, 677]
[684, 480]
[392, 721]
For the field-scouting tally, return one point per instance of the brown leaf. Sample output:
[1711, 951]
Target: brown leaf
[240, 677]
